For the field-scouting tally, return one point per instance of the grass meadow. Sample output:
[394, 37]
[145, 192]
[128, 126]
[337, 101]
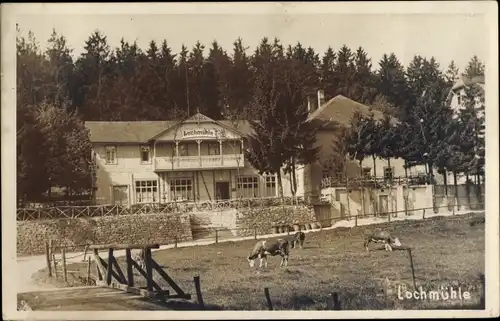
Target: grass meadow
[447, 251]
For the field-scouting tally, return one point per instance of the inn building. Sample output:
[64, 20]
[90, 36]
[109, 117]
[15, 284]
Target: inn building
[201, 159]
[197, 159]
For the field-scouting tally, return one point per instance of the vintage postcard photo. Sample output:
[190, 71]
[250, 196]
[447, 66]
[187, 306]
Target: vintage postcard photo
[291, 160]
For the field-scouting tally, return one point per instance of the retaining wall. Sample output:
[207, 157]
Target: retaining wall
[136, 229]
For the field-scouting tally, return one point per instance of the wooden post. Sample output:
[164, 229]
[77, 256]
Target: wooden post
[97, 263]
[483, 292]
[268, 299]
[216, 236]
[356, 220]
[55, 264]
[389, 217]
[454, 208]
[175, 242]
[65, 272]
[110, 266]
[88, 272]
[130, 273]
[198, 291]
[255, 233]
[333, 301]
[423, 213]
[47, 257]
[412, 270]
[149, 269]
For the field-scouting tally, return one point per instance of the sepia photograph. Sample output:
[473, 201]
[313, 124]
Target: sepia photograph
[193, 160]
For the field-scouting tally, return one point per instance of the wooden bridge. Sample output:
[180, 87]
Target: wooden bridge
[113, 290]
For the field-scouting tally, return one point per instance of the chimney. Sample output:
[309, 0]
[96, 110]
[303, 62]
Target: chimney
[321, 97]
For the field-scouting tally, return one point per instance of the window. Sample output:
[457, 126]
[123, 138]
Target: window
[145, 155]
[181, 189]
[367, 171]
[110, 154]
[183, 150]
[213, 149]
[388, 172]
[146, 191]
[270, 190]
[248, 186]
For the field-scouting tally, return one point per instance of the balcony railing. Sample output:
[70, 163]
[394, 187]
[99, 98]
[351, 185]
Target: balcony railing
[199, 162]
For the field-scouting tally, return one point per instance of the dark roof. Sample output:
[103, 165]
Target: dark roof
[340, 109]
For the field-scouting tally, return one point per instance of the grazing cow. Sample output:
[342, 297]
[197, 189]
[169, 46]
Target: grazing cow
[264, 248]
[298, 239]
[382, 237]
[139, 257]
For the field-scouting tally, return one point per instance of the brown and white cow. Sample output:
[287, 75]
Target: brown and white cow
[140, 257]
[264, 248]
[297, 240]
[382, 237]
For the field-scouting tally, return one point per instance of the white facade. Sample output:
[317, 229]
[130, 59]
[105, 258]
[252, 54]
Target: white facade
[194, 161]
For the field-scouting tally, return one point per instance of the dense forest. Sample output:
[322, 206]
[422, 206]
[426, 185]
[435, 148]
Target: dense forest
[267, 85]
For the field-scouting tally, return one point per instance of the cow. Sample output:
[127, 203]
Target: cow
[264, 248]
[139, 257]
[382, 237]
[297, 240]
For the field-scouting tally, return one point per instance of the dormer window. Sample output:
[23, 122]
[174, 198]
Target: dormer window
[145, 155]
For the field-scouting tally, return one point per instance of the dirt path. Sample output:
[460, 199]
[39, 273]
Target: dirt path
[29, 265]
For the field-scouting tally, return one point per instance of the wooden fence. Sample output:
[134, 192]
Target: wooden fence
[374, 182]
[26, 214]
[110, 274]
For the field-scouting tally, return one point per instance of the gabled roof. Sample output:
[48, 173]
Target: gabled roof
[197, 118]
[464, 81]
[144, 131]
[340, 109]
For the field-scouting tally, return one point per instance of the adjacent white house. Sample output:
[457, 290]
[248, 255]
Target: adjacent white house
[455, 101]
[201, 159]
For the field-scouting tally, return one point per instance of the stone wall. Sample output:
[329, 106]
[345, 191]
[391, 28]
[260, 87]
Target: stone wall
[136, 229]
[262, 218]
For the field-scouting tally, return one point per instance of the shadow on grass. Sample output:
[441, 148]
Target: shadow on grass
[300, 302]
[394, 248]
[181, 305]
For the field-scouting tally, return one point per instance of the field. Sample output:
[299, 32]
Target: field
[446, 252]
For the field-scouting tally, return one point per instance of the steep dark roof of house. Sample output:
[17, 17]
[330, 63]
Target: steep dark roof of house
[340, 109]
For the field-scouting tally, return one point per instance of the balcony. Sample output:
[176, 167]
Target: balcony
[178, 163]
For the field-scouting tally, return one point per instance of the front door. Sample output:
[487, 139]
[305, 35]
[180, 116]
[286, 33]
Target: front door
[383, 204]
[222, 191]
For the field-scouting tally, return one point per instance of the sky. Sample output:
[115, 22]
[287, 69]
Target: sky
[443, 35]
